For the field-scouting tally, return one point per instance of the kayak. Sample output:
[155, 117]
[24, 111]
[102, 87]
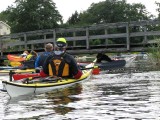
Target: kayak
[15, 58]
[101, 66]
[26, 65]
[111, 65]
[15, 63]
[19, 76]
[13, 68]
[6, 72]
[107, 65]
[6, 67]
[41, 85]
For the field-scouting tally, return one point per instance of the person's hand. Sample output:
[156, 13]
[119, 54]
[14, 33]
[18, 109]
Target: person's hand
[42, 74]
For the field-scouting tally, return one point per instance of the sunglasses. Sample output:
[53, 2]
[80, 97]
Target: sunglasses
[60, 48]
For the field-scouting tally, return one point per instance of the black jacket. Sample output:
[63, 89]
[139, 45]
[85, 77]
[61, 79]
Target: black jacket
[73, 67]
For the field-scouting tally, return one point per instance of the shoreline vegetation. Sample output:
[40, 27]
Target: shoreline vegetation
[154, 53]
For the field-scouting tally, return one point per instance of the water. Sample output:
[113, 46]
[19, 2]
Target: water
[125, 94]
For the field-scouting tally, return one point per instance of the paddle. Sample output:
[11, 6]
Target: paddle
[96, 69]
[88, 68]
[47, 79]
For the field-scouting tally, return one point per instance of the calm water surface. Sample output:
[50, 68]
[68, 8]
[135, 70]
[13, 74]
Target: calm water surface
[126, 94]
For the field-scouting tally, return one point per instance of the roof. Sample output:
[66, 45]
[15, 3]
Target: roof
[5, 24]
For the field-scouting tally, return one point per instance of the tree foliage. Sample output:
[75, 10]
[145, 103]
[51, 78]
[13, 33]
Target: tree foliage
[74, 19]
[29, 15]
[3, 16]
[158, 9]
[111, 11]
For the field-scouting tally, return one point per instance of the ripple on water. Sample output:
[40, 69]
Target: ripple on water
[126, 96]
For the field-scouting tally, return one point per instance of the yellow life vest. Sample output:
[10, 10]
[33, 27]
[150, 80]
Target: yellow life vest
[58, 67]
[29, 57]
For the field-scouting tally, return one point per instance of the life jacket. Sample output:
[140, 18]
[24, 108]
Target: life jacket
[58, 67]
[29, 57]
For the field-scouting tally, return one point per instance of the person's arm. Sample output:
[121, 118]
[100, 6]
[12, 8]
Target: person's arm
[45, 65]
[28, 57]
[107, 58]
[37, 62]
[45, 71]
[77, 73]
[99, 58]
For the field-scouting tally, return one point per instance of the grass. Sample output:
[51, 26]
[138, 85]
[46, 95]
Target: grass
[154, 53]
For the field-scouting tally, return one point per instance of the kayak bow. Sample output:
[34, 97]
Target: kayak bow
[15, 58]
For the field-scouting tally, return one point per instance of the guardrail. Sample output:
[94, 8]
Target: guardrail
[123, 33]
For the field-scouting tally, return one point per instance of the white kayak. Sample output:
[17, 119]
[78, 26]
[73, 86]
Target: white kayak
[41, 85]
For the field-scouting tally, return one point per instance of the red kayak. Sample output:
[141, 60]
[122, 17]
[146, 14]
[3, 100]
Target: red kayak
[19, 76]
[15, 58]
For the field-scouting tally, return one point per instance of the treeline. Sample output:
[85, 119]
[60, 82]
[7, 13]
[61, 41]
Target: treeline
[30, 15]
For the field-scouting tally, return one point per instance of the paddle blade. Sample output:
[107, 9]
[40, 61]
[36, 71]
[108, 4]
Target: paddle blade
[96, 71]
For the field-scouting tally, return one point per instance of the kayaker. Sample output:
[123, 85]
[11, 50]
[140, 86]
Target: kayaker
[103, 57]
[41, 58]
[32, 55]
[30, 60]
[60, 63]
[25, 53]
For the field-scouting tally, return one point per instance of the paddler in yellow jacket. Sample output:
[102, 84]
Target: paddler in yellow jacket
[31, 56]
[25, 53]
[30, 60]
[60, 63]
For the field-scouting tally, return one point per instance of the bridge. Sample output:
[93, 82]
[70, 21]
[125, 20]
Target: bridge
[111, 37]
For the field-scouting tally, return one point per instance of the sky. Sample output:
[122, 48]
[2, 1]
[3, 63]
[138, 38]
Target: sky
[68, 7]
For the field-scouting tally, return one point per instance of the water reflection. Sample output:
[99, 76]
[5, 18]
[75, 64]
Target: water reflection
[131, 93]
[137, 66]
[129, 98]
[49, 103]
[134, 90]
[63, 98]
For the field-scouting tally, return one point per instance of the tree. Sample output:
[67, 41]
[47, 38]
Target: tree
[158, 9]
[74, 19]
[3, 16]
[29, 15]
[111, 11]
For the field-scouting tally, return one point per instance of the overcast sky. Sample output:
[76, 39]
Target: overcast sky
[68, 7]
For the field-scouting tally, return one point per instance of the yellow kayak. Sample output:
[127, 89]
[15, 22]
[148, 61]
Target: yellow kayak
[41, 85]
[15, 64]
[16, 71]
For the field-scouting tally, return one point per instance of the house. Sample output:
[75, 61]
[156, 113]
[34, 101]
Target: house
[4, 28]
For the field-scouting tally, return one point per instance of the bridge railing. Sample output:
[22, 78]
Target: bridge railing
[81, 37]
